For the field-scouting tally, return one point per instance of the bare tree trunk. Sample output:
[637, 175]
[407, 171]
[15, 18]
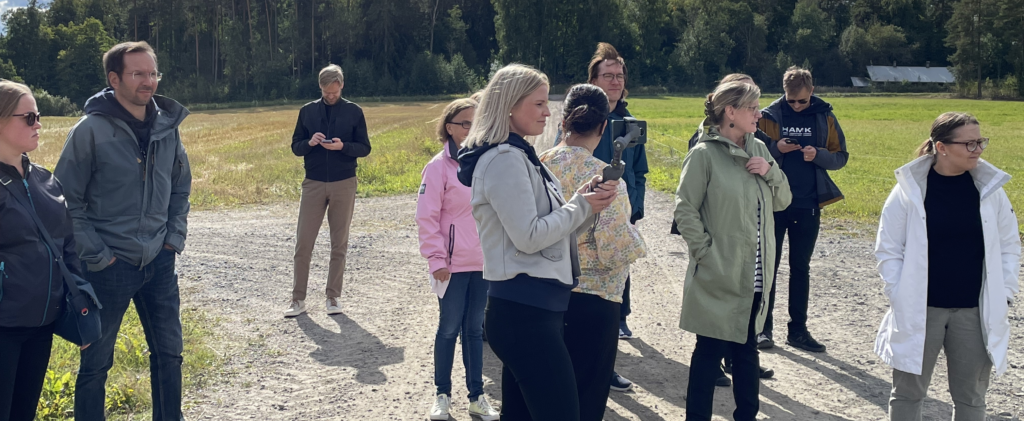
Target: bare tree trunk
[248, 14]
[433, 21]
[312, 37]
[270, 35]
[135, 12]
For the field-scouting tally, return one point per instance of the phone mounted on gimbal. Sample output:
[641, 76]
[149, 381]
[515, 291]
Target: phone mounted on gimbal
[628, 133]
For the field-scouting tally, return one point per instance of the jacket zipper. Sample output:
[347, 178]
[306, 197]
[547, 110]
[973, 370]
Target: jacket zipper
[48, 251]
[451, 243]
[3, 274]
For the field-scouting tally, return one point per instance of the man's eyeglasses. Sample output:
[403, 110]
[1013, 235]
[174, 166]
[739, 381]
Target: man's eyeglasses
[801, 101]
[972, 145]
[465, 124]
[608, 77]
[30, 118]
[152, 75]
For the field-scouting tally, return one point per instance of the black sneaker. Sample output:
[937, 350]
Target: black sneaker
[805, 342]
[620, 384]
[723, 381]
[764, 341]
[764, 373]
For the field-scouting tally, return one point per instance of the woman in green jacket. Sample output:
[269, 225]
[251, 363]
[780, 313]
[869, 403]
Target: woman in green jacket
[727, 192]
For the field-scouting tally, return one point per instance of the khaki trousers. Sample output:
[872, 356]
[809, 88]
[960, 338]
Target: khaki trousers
[338, 200]
[958, 332]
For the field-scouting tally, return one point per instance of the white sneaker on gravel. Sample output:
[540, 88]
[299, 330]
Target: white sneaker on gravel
[333, 307]
[483, 410]
[442, 406]
[298, 307]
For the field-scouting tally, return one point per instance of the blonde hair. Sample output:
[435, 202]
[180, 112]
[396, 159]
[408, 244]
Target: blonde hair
[10, 96]
[453, 109]
[506, 89]
[330, 74]
[736, 77]
[942, 130]
[736, 94]
[797, 79]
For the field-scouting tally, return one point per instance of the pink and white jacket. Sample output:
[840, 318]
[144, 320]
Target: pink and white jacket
[448, 237]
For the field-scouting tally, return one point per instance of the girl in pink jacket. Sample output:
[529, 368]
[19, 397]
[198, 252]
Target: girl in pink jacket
[449, 242]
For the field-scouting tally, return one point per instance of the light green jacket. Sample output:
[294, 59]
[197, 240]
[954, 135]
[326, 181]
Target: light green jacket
[716, 211]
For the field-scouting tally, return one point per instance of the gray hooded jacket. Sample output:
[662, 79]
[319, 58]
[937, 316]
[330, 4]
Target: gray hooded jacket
[125, 203]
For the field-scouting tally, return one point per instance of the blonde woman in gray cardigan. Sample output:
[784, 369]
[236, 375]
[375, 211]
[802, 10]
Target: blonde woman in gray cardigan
[530, 255]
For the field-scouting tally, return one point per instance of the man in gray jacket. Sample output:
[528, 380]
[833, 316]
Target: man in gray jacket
[126, 180]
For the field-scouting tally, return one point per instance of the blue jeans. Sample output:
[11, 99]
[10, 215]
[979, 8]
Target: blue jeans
[154, 289]
[462, 309]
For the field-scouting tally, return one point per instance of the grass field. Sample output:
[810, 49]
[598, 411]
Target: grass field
[881, 135]
[243, 156]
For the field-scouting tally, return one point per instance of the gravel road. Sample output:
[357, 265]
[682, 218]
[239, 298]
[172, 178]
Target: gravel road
[375, 362]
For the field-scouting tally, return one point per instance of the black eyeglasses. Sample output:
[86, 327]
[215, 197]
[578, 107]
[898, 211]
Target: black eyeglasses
[801, 101]
[972, 145]
[465, 124]
[30, 118]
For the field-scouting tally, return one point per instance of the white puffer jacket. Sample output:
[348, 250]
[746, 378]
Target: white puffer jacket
[902, 252]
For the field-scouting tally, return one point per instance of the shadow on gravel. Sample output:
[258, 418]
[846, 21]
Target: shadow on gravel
[352, 347]
[868, 387]
[667, 379]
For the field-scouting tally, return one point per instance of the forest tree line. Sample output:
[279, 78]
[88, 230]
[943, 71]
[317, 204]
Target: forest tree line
[244, 50]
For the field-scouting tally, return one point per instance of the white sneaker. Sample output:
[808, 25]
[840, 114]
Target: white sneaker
[483, 410]
[298, 307]
[333, 307]
[442, 406]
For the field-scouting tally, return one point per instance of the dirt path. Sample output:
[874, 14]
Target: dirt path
[375, 361]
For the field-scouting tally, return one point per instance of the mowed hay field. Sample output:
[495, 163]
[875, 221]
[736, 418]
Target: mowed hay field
[243, 156]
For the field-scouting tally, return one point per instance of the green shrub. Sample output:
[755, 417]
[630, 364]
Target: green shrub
[52, 105]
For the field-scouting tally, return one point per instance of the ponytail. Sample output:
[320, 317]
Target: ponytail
[926, 148]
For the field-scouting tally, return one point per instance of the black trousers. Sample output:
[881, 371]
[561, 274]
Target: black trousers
[625, 309]
[704, 370]
[24, 355]
[802, 225]
[537, 379]
[592, 336]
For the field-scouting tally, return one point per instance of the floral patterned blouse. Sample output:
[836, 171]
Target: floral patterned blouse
[612, 243]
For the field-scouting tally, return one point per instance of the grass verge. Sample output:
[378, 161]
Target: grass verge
[128, 387]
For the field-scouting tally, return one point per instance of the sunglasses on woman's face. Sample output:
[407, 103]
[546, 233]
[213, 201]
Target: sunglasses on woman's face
[30, 118]
[794, 101]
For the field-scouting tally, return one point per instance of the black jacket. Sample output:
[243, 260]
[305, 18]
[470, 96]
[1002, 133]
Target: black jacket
[346, 123]
[31, 283]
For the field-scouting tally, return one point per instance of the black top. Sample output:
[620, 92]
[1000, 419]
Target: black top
[344, 121]
[956, 242]
[802, 175]
[31, 283]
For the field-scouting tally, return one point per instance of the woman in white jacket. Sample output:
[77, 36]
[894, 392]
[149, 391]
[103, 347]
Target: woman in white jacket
[949, 252]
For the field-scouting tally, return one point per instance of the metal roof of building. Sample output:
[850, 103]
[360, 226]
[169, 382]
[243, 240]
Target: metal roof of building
[910, 74]
[860, 82]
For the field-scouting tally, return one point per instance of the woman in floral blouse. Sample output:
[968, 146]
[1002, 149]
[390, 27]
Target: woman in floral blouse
[606, 250]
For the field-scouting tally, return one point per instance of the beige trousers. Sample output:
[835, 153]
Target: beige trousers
[958, 332]
[338, 200]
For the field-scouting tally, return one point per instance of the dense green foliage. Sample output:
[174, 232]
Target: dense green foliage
[246, 50]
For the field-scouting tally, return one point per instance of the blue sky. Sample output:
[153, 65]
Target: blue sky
[7, 4]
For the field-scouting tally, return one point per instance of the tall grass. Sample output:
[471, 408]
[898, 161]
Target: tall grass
[128, 388]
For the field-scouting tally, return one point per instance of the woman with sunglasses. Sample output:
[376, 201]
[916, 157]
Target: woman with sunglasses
[449, 242]
[31, 296]
[949, 252]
